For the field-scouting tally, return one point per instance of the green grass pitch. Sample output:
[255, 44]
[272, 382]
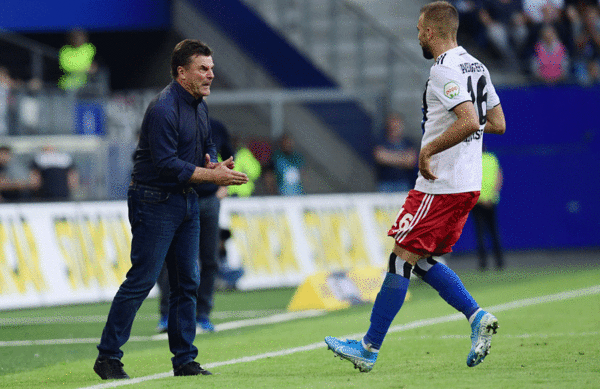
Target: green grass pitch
[545, 343]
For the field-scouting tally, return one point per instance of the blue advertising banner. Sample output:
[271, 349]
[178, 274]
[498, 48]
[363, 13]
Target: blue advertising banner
[551, 167]
[92, 15]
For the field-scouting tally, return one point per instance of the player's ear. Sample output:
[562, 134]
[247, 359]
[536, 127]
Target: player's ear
[429, 32]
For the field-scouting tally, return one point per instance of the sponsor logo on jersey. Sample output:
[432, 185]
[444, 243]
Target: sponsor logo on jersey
[451, 89]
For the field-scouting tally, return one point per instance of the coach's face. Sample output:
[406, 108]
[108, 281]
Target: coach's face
[197, 76]
[424, 36]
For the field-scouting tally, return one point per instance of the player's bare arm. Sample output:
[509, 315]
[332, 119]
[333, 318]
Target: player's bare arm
[220, 174]
[466, 124]
[496, 124]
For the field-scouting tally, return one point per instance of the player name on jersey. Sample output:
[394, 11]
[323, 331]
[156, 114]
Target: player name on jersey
[474, 67]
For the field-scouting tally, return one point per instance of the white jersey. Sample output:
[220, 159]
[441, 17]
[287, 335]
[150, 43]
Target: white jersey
[455, 77]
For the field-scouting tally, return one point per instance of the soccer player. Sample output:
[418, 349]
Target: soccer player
[460, 104]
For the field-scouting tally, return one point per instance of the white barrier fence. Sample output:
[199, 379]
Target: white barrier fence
[61, 253]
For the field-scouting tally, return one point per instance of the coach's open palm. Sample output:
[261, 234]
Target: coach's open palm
[225, 176]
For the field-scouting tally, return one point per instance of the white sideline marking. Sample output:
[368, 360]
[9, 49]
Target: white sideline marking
[219, 327]
[522, 336]
[255, 322]
[21, 321]
[495, 308]
[416, 324]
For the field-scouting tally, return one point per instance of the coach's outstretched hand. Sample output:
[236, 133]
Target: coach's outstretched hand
[224, 176]
[223, 173]
[219, 173]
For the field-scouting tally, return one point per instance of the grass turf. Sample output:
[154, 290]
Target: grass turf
[547, 345]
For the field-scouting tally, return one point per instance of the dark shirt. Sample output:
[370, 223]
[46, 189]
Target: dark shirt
[220, 138]
[387, 173]
[502, 12]
[12, 195]
[54, 167]
[174, 138]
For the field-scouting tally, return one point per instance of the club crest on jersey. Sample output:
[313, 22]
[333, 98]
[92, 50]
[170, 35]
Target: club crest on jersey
[451, 90]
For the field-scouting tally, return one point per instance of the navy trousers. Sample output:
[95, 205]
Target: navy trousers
[209, 266]
[165, 228]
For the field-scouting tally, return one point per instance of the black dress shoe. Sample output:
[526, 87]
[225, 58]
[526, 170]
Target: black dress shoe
[109, 368]
[191, 368]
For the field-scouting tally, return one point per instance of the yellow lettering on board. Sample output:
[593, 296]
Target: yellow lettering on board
[7, 274]
[336, 238]
[321, 240]
[239, 226]
[95, 231]
[94, 250]
[385, 217]
[88, 240]
[120, 236]
[264, 242]
[31, 258]
[284, 245]
[261, 246]
[71, 252]
[355, 245]
[26, 271]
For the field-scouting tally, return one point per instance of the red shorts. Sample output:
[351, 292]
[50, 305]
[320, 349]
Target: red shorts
[430, 224]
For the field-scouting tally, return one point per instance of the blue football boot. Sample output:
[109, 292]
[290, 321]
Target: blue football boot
[352, 350]
[482, 328]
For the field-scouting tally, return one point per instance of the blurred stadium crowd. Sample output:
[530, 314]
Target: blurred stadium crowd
[551, 41]
[543, 41]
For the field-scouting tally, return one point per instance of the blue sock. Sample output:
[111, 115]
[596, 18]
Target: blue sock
[387, 304]
[451, 288]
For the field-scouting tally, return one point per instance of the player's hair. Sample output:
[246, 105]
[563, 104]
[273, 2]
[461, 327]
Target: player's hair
[443, 16]
[184, 51]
